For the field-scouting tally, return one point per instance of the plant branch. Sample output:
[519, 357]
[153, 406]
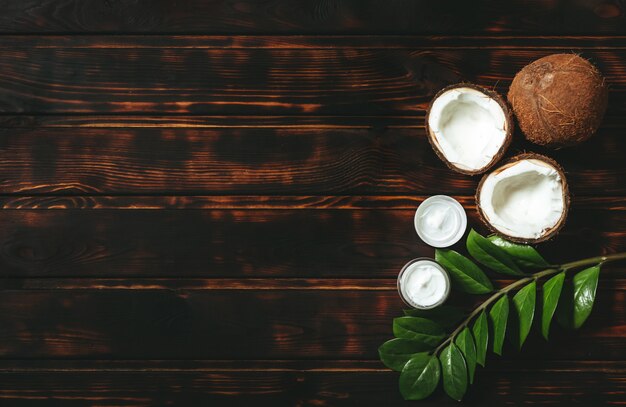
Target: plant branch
[532, 277]
[593, 260]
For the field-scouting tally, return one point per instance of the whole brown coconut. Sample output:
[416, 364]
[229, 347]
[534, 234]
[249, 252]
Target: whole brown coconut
[559, 100]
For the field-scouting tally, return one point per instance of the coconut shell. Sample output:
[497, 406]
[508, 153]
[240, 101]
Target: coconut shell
[553, 232]
[559, 100]
[508, 124]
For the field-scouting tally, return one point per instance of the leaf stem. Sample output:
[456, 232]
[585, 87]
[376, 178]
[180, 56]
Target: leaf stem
[536, 276]
[593, 260]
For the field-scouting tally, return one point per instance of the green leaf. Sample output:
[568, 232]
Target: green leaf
[465, 342]
[448, 316]
[480, 329]
[585, 286]
[454, 372]
[522, 255]
[499, 315]
[396, 352]
[465, 275]
[577, 298]
[420, 377]
[490, 255]
[524, 305]
[421, 330]
[551, 293]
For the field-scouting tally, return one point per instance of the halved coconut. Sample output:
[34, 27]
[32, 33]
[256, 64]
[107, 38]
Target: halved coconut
[469, 127]
[525, 200]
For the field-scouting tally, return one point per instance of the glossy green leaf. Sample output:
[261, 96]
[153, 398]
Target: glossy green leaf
[499, 315]
[551, 294]
[396, 352]
[454, 372]
[420, 377]
[578, 297]
[522, 255]
[465, 342]
[480, 330]
[524, 305]
[421, 330]
[585, 286]
[490, 255]
[466, 276]
[448, 316]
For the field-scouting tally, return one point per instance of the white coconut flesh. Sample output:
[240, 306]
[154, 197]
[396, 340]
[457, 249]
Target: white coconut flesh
[524, 200]
[468, 126]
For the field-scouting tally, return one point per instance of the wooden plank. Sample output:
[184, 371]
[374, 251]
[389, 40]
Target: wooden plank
[304, 81]
[116, 121]
[427, 42]
[283, 16]
[238, 243]
[612, 280]
[251, 324]
[309, 160]
[287, 383]
[219, 161]
[220, 122]
[544, 383]
[287, 202]
[318, 284]
[280, 365]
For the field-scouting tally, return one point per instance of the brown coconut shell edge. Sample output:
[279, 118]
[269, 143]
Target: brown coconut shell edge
[508, 114]
[566, 199]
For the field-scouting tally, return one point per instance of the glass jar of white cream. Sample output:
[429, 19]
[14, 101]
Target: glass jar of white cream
[440, 221]
[423, 283]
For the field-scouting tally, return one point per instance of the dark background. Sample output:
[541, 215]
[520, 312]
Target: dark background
[209, 201]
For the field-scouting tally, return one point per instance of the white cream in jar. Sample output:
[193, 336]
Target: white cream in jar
[440, 221]
[423, 283]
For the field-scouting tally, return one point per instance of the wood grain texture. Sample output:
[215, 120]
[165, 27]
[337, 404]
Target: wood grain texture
[319, 17]
[374, 158]
[117, 121]
[275, 202]
[294, 383]
[252, 243]
[289, 202]
[613, 279]
[251, 324]
[330, 81]
[236, 42]
[190, 217]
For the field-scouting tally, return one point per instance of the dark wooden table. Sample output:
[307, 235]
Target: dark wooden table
[209, 201]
